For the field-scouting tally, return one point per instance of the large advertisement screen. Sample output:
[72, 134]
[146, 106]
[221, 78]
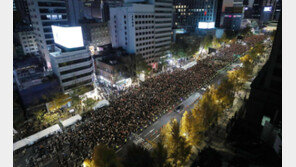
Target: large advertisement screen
[267, 9]
[69, 37]
[206, 25]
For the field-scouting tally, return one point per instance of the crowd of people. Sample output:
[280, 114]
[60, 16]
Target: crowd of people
[135, 109]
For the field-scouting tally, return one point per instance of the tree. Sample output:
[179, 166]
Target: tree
[142, 66]
[58, 101]
[89, 102]
[104, 157]
[159, 154]
[207, 41]
[225, 92]
[178, 148]
[137, 156]
[246, 31]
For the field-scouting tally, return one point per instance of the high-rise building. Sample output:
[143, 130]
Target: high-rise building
[28, 42]
[21, 7]
[71, 61]
[277, 10]
[75, 11]
[132, 28]
[203, 15]
[263, 10]
[106, 5]
[233, 18]
[163, 26]
[197, 16]
[96, 35]
[219, 13]
[142, 29]
[238, 3]
[180, 14]
[43, 14]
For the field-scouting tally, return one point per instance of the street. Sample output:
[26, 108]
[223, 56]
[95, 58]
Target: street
[151, 134]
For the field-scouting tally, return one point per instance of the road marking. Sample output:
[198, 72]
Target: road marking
[149, 132]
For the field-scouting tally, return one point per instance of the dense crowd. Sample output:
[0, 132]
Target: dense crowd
[135, 109]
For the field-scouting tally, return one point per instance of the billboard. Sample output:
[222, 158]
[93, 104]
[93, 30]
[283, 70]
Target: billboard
[180, 31]
[206, 25]
[267, 9]
[69, 37]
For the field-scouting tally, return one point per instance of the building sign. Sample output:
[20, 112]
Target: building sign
[206, 25]
[267, 9]
[69, 37]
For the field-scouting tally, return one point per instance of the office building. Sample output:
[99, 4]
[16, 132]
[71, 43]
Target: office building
[43, 14]
[163, 27]
[203, 15]
[197, 16]
[277, 10]
[95, 35]
[105, 8]
[219, 13]
[21, 7]
[132, 28]
[263, 10]
[142, 29]
[28, 42]
[180, 14]
[75, 12]
[71, 61]
[233, 18]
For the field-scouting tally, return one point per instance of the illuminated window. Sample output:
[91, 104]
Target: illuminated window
[54, 17]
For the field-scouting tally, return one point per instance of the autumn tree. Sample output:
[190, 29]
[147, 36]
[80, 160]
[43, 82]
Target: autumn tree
[178, 148]
[142, 65]
[58, 101]
[104, 157]
[225, 92]
[137, 156]
[160, 154]
[89, 102]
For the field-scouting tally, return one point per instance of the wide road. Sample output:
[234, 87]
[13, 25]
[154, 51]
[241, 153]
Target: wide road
[151, 133]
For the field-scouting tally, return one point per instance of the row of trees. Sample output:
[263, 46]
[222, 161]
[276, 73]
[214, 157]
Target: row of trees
[185, 47]
[135, 156]
[180, 138]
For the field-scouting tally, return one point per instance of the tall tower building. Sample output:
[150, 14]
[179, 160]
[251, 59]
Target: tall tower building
[132, 28]
[263, 10]
[180, 14]
[21, 7]
[203, 15]
[43, 14]
[142, 28]
[163, 26]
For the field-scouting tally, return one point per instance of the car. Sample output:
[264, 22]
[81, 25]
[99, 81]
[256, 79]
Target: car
[179, 108]
[203, 89]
